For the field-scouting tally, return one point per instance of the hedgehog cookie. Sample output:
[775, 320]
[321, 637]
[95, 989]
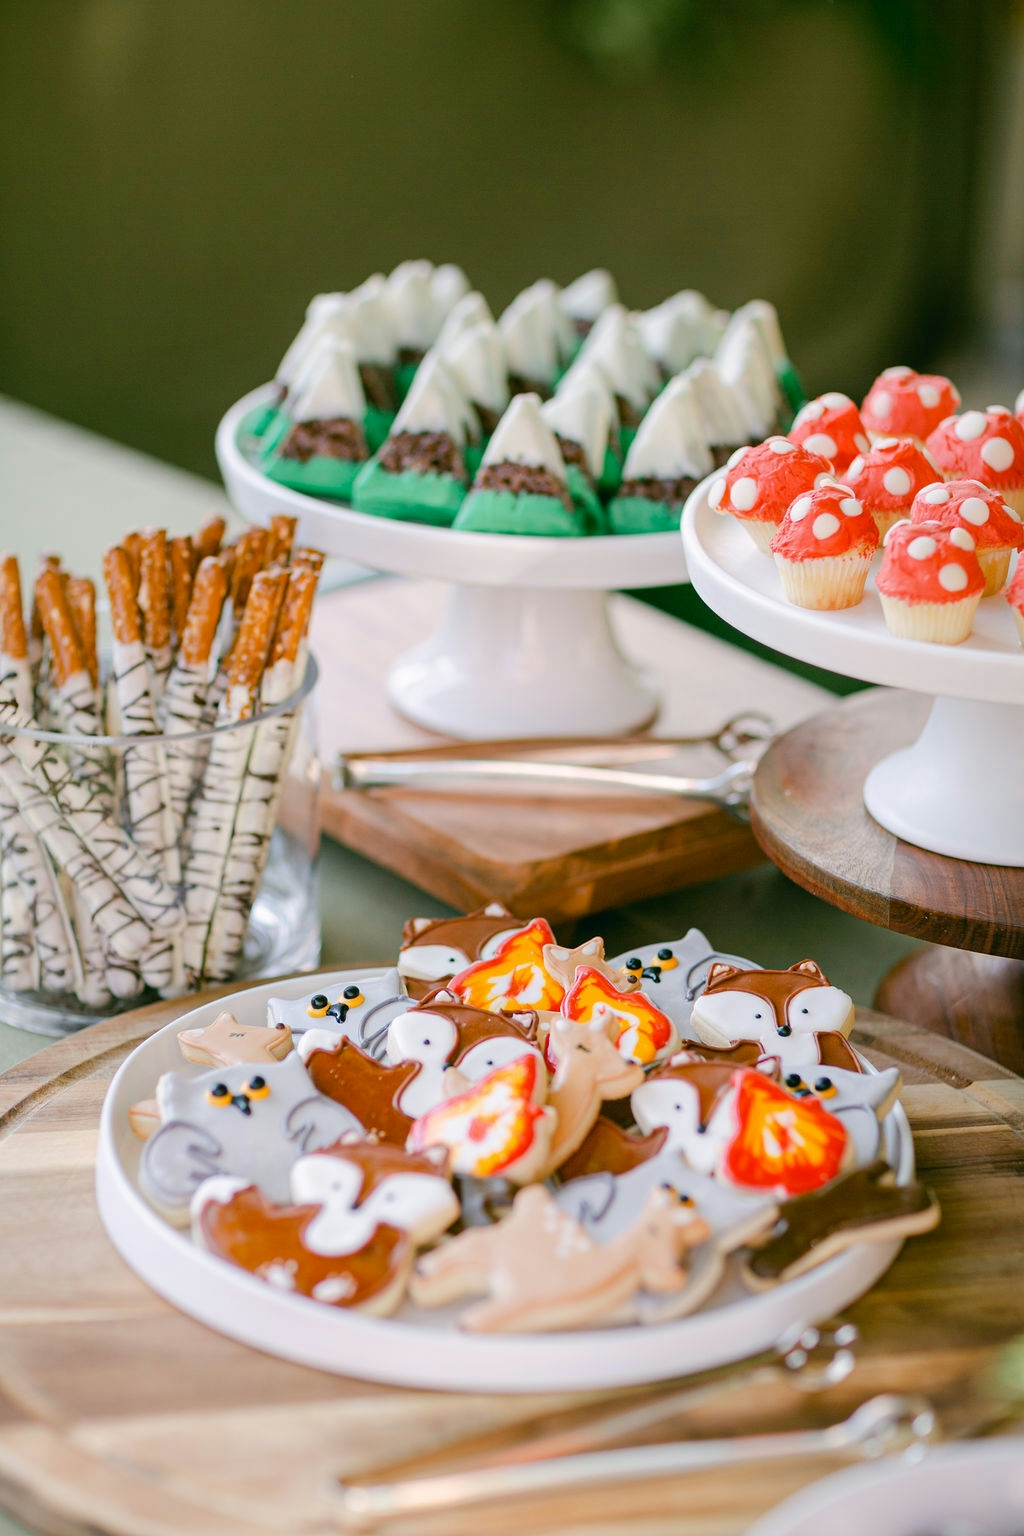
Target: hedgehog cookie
[930, 582]
[348, 1236]
[760, 483]
[992, 523]
[986, 446]
[902, 403]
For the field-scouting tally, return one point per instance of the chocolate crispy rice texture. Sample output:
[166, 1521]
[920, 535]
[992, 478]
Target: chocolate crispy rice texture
[652, 489]
[334, 438]
[522, 480]
[378, 386]
[425, 452]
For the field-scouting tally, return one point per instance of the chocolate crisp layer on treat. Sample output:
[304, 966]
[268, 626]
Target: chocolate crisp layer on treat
[407, 356]
[651, 489]
[378, 386]
[522, 480]
[333, 438]
[629, 416]
[425, 452]
[573, 453]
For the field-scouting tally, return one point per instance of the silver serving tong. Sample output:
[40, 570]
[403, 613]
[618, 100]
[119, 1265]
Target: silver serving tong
[593, 761]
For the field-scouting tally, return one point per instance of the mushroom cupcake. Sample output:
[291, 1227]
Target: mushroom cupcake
[986, 446]
[760, 483]
[824, 548]
[888, 477]
[930, 582]
[993, 525]
[831, 426]
[902, 403]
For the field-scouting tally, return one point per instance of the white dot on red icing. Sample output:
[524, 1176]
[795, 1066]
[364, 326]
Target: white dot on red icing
[974, 510]
[820, 442]
[997, 453]
[800, 508]
[961, 538]
[856, 468]
[921, 548]
[715, 494]
[850, 506]
[743, 493]
[937, 495]
[734, 458]
[880, 403]
[928, 395]
[780, 445]
[887, 442]
[953, 577]
[896, 481]
[969, 426]
[1014, 514]
[825, 525]
[897, 371]
[862, 442]
[835, 401]
[811, 411]
[998, 410]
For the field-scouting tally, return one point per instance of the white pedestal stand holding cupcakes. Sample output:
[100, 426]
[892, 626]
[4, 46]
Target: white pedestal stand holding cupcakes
[525, 647]
[959, 790]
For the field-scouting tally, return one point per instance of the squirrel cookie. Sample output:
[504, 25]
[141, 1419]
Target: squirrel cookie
[866, 1206]
[250, 1122]
[359, 1010]
[642, 1032]
[609, 1148]
[498, 1127]
[349, 1234]
[589, 1069]
[541, 1271]
[226, 1043]
[436, 949]
[787, 1011]
[515, 976]
[370, 1090]
[673, 974]
[736, 1124]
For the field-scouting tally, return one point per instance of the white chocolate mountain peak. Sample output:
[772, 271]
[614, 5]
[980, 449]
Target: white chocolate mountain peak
[414, 310]
[721, 410]
[330, 386]
[448, 284]
[522, 436]
[476, 358]
[671, 441]
[589, 295]
[582, 415]
[435, 403]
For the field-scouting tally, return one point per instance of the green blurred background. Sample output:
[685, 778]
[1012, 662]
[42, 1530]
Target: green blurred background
[178, 179]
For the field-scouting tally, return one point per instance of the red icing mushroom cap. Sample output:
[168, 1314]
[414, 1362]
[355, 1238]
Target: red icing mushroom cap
[826, 521]
[927, 563]
[761, 482]
[981, 445]
[1014, 593]
[830, 426]
[889, 476]
[902, 403]
[971, 505]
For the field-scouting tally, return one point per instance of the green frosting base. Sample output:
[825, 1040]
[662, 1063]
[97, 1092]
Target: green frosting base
[586, 500]
[319, 476]
[488, 511]
[472, 457]
[635, 514]
[611, 474]
[376, 425]
[256, 421]
[404, 375]
[791, 386]
[409, 497]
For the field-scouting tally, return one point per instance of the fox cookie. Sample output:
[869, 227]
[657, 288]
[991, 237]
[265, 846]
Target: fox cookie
[498, 1127]
[349, 1234]
[540, 1270]
[436, 949]
[674, 973]
[358, 1010]
[790, 1012]
[250, 1122]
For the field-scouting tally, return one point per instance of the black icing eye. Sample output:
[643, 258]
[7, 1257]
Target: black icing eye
[318, 1005]
[257, 1088]
[319, 1001]
[664, 954]
[219, 1094]
[635, 964]
[793, 1080]
[350, 992]
[758, 1015]
[805, 1010]
[784, 1029]
[823, 1084]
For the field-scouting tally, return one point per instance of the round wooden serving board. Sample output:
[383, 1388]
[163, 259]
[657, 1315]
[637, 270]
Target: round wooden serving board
[120, 1415]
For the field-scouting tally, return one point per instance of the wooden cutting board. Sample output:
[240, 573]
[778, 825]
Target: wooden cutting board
[121, 1416]
[568, 854]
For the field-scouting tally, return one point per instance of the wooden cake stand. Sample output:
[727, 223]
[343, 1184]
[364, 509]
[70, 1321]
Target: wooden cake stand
[808, 814]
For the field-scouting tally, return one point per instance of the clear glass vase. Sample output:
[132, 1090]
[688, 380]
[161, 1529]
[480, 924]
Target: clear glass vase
[64, 962]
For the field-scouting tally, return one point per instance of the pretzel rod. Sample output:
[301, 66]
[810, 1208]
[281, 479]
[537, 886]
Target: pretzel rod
[124, 977]
[36, 634]
[15, 668]
[19, 958]
[209, 537]
[183, 565]
[132, 546]
[41, 656]
[185, 694]
[155, 606]
[263, 782]
[73, 702]
[94, 989]
[313, 558]
[217, 805]
[81, 596]
[26, 859]
[113, 915]
[281, 537]
[250, 554]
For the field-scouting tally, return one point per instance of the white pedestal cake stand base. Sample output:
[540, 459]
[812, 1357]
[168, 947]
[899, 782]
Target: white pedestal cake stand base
[959, 790]
[526, 646]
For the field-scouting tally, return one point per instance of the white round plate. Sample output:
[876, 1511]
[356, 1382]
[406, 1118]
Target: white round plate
[742, 585]
[973, 1489]
[422, 1348]
[445, 554]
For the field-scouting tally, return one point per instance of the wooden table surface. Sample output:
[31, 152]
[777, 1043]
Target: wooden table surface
[119, 1415]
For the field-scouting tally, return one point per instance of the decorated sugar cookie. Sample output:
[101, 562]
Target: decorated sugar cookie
[349, 1234]
[784, 1010]
[359, 1010]
[589, 1069]
[455, 1045]
[866, 1206]
[250, 1122]
[370, 1090]
[860, 1099]
[608, 1148]
[643, 1033]
[540, 1270]
[498, 1127]
[226, 1043]
[436, 949]
[563, 963]
[673, 973]
[515, 976]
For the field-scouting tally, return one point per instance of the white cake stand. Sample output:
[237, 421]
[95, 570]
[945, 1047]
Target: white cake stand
[525, 647]
[959, 790]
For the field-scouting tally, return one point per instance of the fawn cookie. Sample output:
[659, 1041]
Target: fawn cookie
[865, 1206]
[226, 1043]
[497, 1127]
[588, 1070]
[349, 1234]
[436, 949]
[360, 1010]
[643, 1033]
[249, 1122]
[372, 1091]
[515, 976]
[673, 973]
[540, 1270]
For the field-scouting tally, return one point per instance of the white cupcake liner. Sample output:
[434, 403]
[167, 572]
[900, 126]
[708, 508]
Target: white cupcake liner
[995, 567]
[825, 582]
[944, 623]
[761, 532]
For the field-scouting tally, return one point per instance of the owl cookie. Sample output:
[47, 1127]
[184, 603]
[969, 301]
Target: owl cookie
[673, 973]
[358, 1010]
